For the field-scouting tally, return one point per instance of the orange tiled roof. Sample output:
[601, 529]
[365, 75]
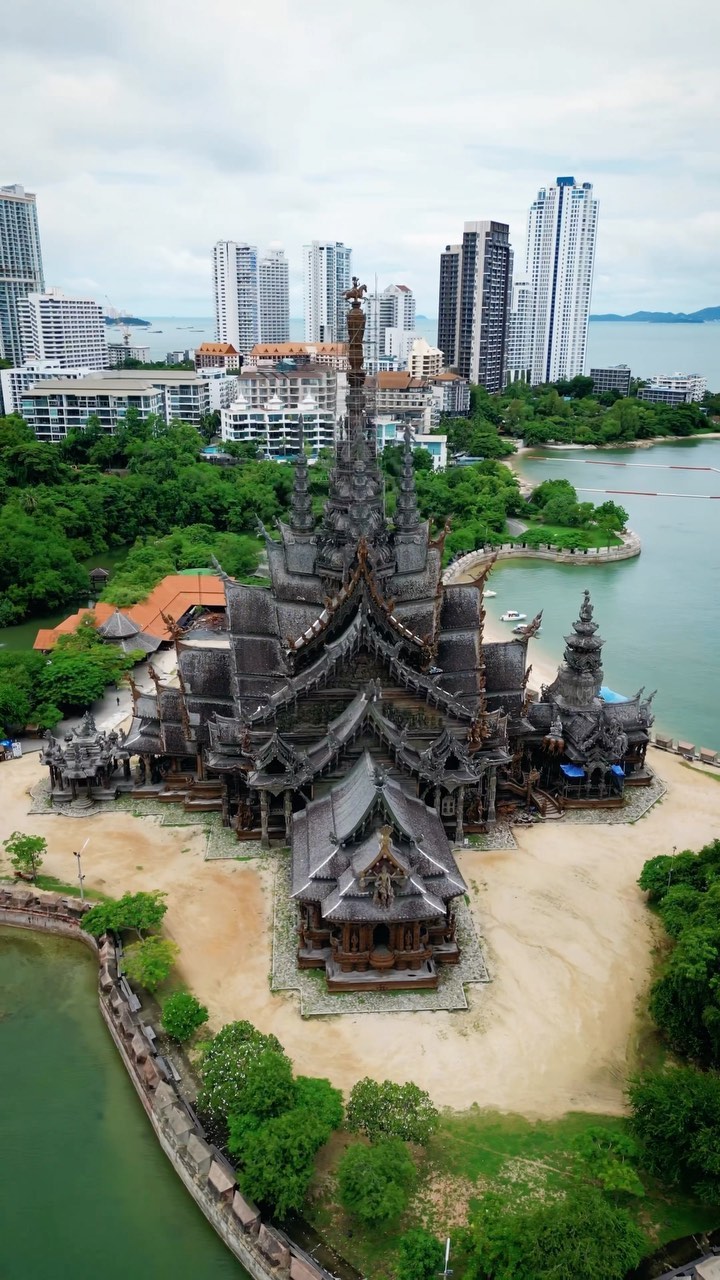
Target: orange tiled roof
[177, 593]
[299, 348]
[402, 381]
[216, 349]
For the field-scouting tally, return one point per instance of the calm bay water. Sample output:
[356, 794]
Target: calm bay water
[659, 613]
[84, 1188]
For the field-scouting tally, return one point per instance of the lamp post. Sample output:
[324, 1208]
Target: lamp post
[447, 1271]
[81, 877]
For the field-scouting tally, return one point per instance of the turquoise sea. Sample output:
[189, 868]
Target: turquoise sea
[659, 613]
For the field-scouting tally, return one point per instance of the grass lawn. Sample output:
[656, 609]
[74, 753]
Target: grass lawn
[554, 532]
[474, 1151]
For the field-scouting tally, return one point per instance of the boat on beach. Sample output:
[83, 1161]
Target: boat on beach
[512, 615]
[488, 594]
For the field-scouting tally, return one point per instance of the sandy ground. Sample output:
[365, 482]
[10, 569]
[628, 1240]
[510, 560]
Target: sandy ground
[568, 940]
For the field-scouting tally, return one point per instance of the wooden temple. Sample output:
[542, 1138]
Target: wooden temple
[353, 711]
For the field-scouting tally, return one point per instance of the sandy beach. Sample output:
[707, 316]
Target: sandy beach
[567, 935]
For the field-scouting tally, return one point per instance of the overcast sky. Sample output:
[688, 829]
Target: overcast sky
[151, 128]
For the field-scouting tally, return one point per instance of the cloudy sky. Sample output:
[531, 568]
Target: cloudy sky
[151, 128]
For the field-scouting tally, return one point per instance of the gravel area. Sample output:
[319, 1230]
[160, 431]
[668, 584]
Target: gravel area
[317, 1001]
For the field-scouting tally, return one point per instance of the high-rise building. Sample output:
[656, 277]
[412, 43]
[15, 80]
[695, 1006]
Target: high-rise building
[21, 270]
[274, 297]
[448, 302]
[424, 361]
[389, 326]
[476, 278]
[237, 294]
[562, 230]
[327, 275]
[519, 344]
[70, 331]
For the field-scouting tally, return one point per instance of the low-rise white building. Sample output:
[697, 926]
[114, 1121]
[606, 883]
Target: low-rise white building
[14, 382]
[118, 353]
[390, 431]
[279, 429]
[265, 355]
[59, 405]
[404, 398]
[217, 355]
[452, 394]
[424, 361]
[673, 388]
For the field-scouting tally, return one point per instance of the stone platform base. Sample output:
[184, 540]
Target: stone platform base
[424, 979]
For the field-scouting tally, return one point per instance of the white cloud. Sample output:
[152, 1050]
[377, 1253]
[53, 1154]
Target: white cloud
[152, 130]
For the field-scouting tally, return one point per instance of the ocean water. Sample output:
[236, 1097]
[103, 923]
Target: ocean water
[85, 1189]
[647, 348]
[659, 613]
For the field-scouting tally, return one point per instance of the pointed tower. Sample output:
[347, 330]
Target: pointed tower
[580, 675]
[356, 501]
[407, 516]
[301, 516]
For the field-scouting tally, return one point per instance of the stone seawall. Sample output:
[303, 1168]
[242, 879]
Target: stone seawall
[262, 1250]
[483, 556]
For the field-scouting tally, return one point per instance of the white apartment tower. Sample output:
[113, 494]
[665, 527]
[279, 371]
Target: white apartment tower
[328, 271]
[519, 343]
[70, 331]
[562, 230]
[273, 285]
[21, 270]
[237, 294]
[389, 316]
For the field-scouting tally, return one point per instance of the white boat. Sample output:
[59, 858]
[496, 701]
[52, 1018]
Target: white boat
[521, 629]
[488, 594]
[512, 615]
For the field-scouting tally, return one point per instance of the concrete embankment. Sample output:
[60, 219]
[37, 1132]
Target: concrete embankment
[262, 1250]
[476, 561]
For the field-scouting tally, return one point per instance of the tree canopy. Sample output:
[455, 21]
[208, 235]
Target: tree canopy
[374, 1182]
[383, 1109]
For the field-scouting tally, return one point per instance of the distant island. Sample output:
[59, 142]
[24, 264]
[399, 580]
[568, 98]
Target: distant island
[708, 314]
[131, 320]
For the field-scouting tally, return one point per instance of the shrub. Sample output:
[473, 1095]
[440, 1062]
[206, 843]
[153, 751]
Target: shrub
[388, 1110]
[182, 1014]
[149, 962]
[375, 1182]
[676, 1120]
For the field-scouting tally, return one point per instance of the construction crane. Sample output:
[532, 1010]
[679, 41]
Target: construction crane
[118, 320]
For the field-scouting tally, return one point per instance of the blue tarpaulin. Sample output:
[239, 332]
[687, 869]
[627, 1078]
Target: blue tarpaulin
[609, 695]
[618, 770]
[572, 770]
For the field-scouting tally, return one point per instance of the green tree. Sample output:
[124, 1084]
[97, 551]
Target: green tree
[609, 1157]
[149, 962]
[388, 1110]
[182, 1014]
[374, 1182]
[224, 1068]
[137, 911]
[279, 1161]
[318, 1096]
[267, 1090]
[420, 1256]
[675, 1117]
[581, 1235]
[26, 853]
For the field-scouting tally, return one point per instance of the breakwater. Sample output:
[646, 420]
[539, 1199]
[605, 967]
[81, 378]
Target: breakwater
[262, 1250]
[476, 561]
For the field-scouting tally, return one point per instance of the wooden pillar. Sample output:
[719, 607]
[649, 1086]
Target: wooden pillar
[492, 787]
[200, 764]
[126, 769]
[459, 806]
[264, 835]
[287, 804]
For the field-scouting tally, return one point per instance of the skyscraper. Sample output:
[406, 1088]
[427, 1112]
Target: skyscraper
[562, 230]
[70, 331]
[327, 276]
[274, 297]
[21, 270]
[393, 309]
[237, 294]
[519, 344]
[475, 286]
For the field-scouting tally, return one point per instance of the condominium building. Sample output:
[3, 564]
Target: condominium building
[119, 352]
[273, 285]
[237, 294]
[673, 388]
[562, 232]
[451, 394]
[519, 344]
[327, 275]
[424, 361]
[403, 398]
[21, 269]
[277, 428]
[448, 302]
[269, 354]
[476, 278]
[59, 405]
[15, 382]
[217, 355]
[69, 330]
[389, 326]
[292, 384]
[613, 378]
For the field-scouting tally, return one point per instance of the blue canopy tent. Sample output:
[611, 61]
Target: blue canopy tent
[573, 770]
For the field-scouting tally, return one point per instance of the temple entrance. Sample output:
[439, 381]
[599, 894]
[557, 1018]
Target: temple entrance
[381, 937]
